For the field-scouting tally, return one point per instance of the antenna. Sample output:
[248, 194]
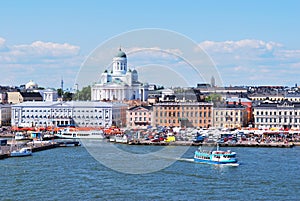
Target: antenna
[62, 88]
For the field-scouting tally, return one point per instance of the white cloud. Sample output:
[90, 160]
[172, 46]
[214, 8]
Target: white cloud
[232, 46]
[42, 61]
[2, 45]
[256, 60]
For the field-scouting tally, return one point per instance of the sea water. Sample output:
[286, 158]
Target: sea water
[73, 174]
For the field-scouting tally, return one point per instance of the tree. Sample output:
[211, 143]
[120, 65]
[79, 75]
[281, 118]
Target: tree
[215, 98]
[84, 94]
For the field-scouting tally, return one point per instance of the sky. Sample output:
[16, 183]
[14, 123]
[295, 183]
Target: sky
[250, 42]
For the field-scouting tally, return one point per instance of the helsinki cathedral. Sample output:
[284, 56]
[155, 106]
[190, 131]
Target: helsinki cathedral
[120, 84]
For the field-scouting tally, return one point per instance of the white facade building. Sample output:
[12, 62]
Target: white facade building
[284, 114]
[121, 84]
[79, 113]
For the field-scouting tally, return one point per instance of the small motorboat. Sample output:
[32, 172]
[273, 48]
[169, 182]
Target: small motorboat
[25, 151]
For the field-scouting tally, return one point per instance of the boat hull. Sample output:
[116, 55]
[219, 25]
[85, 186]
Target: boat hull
[96, 137]
[198, 160]
[20, 154]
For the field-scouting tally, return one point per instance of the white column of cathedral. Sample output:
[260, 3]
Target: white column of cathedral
[123, 94]
[98, 96]
[107, 94]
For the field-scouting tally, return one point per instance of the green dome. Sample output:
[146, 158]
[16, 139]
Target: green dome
[121, 53]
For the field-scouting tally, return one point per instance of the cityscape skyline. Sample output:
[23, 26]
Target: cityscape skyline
[251, 43]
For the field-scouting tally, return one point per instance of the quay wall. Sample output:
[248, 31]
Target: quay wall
[188, 143]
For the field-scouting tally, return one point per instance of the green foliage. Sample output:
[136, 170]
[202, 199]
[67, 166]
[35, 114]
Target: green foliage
[68, 96]
[84, 94]
[215, 98]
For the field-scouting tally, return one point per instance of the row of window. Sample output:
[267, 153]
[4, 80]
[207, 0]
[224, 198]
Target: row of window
[183, 114]
[139, 113]
[63, 116]
[62, 110]
[141, 119]
[121, 66]
[228, 113]
[62, 123]
[228, 119]
[195, 121]
[275, 120]
[277, 113]
[182, 107]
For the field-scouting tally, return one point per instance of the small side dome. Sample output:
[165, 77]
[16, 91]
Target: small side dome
[121, 54]
[31, 85]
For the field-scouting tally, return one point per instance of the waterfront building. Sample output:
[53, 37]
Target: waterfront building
[182, 114]
[19, 97]
[119, 84]
[139, 116]
[245, 102]
[230, 116]
[5, 114]
[79, 113]
[284, 114]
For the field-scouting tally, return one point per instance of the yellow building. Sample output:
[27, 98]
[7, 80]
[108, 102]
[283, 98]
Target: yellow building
[230, 116]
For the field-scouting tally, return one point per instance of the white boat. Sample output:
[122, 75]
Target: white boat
[25, 151]
[20, 136]
[77, 133]
[121, 139]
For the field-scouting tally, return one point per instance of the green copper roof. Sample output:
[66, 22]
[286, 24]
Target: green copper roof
[121, 53]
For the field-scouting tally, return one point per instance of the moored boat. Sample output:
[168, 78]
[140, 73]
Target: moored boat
[20, 136]
[77, 133]
[25, 151]
[121, 139]
[215, 156]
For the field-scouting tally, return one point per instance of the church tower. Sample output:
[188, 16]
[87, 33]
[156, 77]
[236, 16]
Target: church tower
[120, 63]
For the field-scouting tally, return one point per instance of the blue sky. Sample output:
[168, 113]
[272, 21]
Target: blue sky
[252, 42]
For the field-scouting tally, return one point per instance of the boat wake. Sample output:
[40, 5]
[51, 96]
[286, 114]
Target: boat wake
[191, 160]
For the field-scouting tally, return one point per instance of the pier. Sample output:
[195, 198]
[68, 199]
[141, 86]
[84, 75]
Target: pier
[36, 147]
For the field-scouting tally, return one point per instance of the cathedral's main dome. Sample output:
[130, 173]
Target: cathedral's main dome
[120, 54]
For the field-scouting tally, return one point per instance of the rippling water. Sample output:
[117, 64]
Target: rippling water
[71, 173]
